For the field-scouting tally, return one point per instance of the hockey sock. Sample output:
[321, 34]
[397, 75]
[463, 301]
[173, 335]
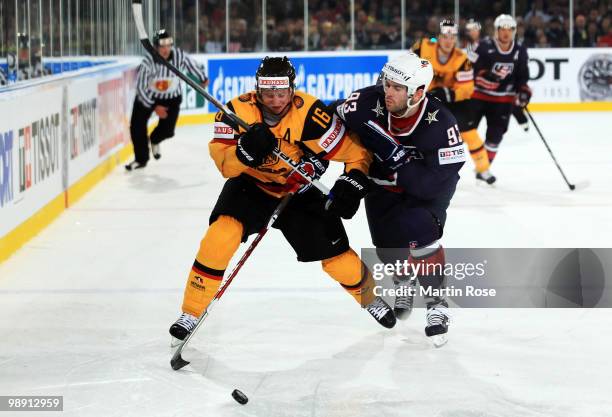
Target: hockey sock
[354, 277]
[216, 250]
[477, 150]
[429, 264]
[491, 151]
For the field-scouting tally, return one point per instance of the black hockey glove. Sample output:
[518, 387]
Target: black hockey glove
[255, 145]
[523, 96]
[390, 154]
[444, 94]
[381, 176]
[346, 194]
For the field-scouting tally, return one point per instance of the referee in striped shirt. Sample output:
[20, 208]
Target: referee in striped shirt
[158, 90]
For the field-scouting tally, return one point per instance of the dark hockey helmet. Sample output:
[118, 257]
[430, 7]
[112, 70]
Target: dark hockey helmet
[275, 73]
[162, 38]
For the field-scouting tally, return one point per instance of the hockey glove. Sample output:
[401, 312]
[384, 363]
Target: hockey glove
[444, 94]
[311, 164]
[387, 151]
[346, 194]
[381, 176]
[255, 145]
[523, 96]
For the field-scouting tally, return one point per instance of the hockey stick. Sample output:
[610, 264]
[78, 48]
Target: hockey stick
[177, 362]
[571, 186]
[146, 43]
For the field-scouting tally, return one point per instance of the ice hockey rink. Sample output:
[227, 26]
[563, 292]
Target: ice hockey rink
[86, 305]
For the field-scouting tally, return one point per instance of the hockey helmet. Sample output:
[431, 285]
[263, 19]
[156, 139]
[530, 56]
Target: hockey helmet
[275, 73]
[504, 21]
[448, 27]
[473, 25]
[411, 71]
[162, 38]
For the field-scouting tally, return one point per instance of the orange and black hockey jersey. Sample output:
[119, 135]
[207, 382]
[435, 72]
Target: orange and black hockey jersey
[456, 73]
[307, 127]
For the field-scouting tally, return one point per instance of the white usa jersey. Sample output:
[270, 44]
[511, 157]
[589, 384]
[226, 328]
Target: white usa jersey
[157, 82]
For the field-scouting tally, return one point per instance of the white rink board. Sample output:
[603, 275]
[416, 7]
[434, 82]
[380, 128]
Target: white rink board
[35, 172]
[53, 133]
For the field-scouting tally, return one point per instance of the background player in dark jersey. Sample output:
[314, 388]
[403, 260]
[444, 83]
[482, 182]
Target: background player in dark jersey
[418, 153]
[303, 129]
[158, 90]
[501, 81]
[471, 42]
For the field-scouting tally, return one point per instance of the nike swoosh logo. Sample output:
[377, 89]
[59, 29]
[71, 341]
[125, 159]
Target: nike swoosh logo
[336, 241]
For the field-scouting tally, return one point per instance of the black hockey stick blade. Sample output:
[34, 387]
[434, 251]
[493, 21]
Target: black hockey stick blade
[177, 362]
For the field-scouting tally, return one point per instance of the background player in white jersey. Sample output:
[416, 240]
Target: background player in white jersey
[158, 90]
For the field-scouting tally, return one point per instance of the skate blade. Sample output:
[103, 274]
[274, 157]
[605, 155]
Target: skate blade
[174, 342]
[439, 340]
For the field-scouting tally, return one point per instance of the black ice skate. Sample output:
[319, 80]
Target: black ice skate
[381, 312]
[183, 326]
[404, 297]
[155, 150]
[486, 176]
[438, 320]
[135, 165]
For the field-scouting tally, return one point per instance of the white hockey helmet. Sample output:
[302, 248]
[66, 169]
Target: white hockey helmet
[448, 27]
[411, 71]
[504, 21]
[473, 24]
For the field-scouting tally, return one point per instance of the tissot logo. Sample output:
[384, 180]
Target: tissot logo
[6, 167]
[538, 68]
[82, 128]
[38, 151]
[397, 71]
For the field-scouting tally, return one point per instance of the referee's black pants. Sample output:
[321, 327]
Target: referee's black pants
[164, 129]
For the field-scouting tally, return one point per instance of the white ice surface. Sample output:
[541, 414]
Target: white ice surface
[86, 305]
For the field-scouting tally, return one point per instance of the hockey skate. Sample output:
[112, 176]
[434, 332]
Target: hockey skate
[486, 176]
[135, 165]
[155, 150]
[182, 327]
[438, 320]
[404, 298]
[381, 311]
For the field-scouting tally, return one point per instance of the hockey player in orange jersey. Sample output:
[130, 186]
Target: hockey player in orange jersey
[302, 127]
[453, 84]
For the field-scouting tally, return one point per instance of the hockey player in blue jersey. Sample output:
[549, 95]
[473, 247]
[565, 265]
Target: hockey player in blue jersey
[501, 74]
[418, 153]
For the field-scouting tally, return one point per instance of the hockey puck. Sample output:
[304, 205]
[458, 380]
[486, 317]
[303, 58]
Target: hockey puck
[240, 397]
